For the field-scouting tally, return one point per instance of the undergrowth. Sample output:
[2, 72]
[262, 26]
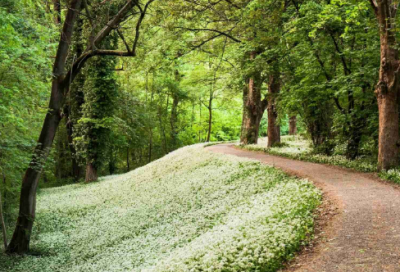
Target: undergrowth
[192, 210]
[297, 148]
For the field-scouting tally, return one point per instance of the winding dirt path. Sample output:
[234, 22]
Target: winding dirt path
[364, 236]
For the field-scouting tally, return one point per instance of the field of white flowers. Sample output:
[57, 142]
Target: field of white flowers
[190, 211]
[298, 148]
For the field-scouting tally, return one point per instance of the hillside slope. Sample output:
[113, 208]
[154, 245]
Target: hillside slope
[192, 210]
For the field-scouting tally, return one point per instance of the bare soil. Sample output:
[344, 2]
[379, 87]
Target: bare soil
[359, 222]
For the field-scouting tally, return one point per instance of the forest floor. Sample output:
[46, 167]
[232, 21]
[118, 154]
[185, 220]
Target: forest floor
[192, 210]
[365, 233]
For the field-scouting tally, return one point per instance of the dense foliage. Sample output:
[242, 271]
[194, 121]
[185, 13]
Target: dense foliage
[26, 45]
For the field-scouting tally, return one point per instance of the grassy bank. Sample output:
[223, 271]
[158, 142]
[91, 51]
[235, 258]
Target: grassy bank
[190, 211]
[297, 148]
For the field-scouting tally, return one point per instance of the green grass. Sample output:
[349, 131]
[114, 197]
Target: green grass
[297, 148]
[192, 210]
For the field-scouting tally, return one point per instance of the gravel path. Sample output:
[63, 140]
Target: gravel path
[364, 236]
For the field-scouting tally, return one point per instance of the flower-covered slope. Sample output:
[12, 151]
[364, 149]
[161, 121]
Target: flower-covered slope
[192, 210]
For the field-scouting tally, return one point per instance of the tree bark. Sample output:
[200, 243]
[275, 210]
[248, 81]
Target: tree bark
[127, 160]
[209, 116]
[3, 225]
[293, 125]
[27, 208]
[387, 89]
[91, 173]
[76, 169]
[274, 136]
[253, 108]
[174, 120]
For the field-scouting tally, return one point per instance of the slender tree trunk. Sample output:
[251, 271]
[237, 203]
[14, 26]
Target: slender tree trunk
[353, 145]
[3, 225]
[150, 145]
[174, 120]
[387, 89]
[274, 136]
[163, 133]
[292, 125]
[57, 11]
[5, 191]
[91, 172]
[201, 123]
[27, 207]
[76, 169]
[112, 166]
[127, 160]
[2, 203]
[209, 118]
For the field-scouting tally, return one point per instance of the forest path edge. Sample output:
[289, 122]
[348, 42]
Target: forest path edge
[363, 236]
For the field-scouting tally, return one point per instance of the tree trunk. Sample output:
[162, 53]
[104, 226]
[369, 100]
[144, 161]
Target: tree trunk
[57, 11]
[387, 88]
[150, 145]
[91, 172]
[27, 207]
[209, 117]
[200, 105]
[253, 108]
[292, 125]
[76, 169]
[174, 120]
[127, 160]
[353, 145]
[274, 136]
[3, 225]
[5, 191]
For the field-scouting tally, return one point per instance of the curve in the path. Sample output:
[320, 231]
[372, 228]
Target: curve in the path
[366, 233]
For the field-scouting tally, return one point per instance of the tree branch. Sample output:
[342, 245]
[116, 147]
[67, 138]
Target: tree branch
[139, 23]
[124, 41]
[212, 30]
[113, 22]
[374, 6]
[79, 63]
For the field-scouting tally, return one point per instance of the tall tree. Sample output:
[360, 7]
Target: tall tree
[253, 105]
[387, 89]
[60, 84]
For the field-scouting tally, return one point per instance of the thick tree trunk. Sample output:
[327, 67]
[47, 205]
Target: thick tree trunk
[21, 237]
[27, 207]
[91, 172]
[387, 90]
[292, 125]
[274, 136]
[253, 108]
